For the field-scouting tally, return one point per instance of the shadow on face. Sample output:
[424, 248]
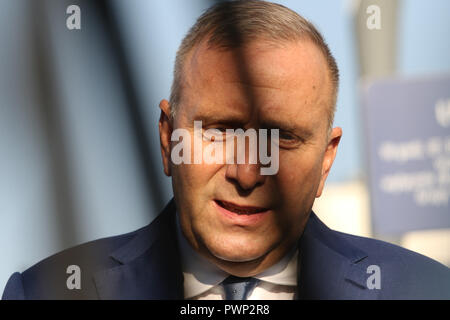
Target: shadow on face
[233, 215]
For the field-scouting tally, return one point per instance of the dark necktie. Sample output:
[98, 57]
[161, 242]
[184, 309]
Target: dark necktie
[237, 288]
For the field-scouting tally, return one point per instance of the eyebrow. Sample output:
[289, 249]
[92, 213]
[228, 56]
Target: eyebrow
[303, 132]
[236, 121]
[231, 120]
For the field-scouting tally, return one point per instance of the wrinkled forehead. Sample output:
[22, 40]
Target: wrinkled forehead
[260, 61]
[261, 71]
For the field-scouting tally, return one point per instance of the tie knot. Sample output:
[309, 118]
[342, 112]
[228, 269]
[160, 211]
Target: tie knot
[237, 288]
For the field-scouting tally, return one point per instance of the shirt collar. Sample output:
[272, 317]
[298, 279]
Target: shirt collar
[200, 275]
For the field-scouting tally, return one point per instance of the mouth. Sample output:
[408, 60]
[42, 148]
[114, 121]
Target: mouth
[237, 215]
[241, 210]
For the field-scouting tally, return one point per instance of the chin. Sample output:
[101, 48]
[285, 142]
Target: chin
[237, 257]
[237, 253]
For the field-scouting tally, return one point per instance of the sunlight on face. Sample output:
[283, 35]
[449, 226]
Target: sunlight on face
[230, 213]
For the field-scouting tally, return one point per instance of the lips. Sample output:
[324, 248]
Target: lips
[241, 210]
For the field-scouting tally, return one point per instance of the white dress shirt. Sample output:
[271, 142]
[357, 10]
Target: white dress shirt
[202, 278]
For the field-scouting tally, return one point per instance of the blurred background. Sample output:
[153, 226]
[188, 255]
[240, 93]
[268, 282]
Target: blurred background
[79, 144]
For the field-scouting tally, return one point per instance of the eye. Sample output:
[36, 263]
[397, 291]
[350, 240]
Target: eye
[286, 136]
[288, 140]
[215, 134]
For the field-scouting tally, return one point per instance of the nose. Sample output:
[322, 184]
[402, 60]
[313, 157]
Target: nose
[246, 172]
[247, 176]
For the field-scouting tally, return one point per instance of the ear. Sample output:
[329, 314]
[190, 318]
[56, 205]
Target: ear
[165, 133]
[329, 156]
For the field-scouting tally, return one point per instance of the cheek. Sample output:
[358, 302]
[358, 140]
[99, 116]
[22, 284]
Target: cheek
[194, 176]
[299, 175]
[194, 181]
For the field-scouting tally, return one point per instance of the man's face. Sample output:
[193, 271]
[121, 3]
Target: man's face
[239, 219]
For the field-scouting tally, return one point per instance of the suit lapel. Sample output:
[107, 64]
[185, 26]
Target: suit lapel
[149, 264]
[329, 266]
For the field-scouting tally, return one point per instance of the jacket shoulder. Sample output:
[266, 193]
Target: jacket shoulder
[404, 274]
[52, 277]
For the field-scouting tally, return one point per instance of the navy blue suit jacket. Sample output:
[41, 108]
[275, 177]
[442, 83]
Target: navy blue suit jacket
[145, 264]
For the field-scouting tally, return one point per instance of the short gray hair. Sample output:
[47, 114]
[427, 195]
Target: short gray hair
[231, 24]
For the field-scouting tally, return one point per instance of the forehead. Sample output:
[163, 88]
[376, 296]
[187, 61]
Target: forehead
[280, 80]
